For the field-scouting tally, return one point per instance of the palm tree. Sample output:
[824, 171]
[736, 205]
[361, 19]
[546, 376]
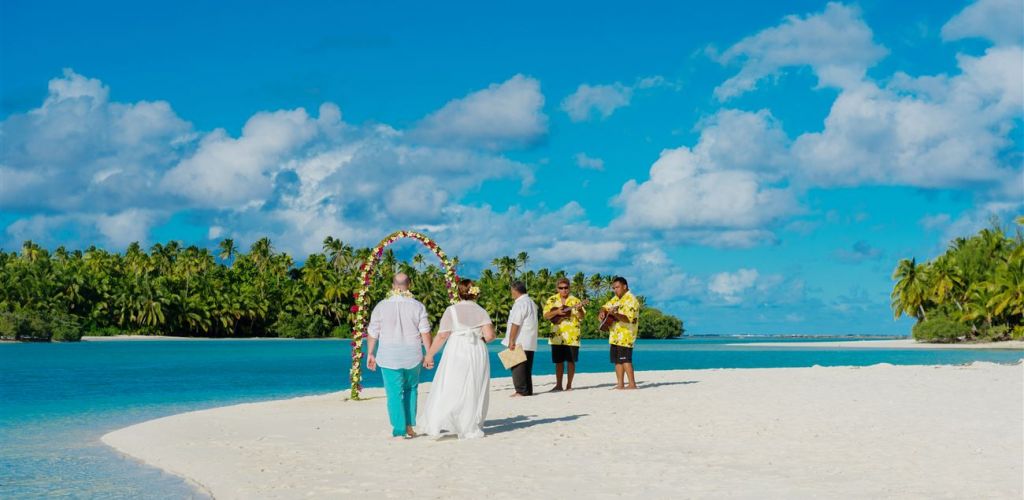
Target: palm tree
[978, 305]
[32, 252]
[911, 290]
[521, 259]
[260, 252]
[227, 250]
[946, 280]
[224, 292]
[578, 284]
[507, 267]
[334, 248]
[1008, 287]
[595, 284]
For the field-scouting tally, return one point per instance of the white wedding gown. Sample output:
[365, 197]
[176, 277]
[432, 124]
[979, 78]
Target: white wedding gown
[461, 389]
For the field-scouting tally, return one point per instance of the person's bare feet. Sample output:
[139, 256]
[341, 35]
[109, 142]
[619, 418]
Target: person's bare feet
[556, 389]
[568, 388]
[631, 387]
[618, 388]
[516, 395]
[410, 432]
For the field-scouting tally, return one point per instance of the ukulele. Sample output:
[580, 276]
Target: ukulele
[566, 311]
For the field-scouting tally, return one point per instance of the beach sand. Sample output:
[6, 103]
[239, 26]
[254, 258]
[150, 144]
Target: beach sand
[889, 344]
[878, 431]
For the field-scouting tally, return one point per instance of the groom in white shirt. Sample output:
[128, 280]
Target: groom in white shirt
[522, 334]
[400, 324]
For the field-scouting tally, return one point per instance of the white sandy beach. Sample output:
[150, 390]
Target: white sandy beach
[889, 344]
[879, 431]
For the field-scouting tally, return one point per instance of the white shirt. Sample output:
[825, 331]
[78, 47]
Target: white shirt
[397, 322]
[524, 314]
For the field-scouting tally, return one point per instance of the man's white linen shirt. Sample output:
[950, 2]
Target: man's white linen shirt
[397, 322]
[524, 314]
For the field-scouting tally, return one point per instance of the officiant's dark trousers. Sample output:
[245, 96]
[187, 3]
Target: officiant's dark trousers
[522, 375]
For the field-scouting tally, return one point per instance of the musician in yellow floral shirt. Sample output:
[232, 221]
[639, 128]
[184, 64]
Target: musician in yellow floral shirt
[565, 312]
[619, 317]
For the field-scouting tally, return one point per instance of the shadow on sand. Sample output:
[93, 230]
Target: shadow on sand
[639, 385]
[492, 427]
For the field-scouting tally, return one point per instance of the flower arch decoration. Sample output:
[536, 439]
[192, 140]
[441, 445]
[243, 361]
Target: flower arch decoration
[361, 307]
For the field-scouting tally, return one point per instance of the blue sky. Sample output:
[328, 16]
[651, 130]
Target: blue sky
[754, 167]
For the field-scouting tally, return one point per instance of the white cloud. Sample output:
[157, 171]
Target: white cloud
[502, 116]
[38, 227]
[931, 222]
[127, 226]
[108, 171]
[722, 182]
[729, 286]
[947, 135]
[73, 87]
[227, 172]
[971, 221]
[417, 195]
[602, 100]
[571, 252]
[478, 234]
[584, 161]
[589, 101]
[652, 274]
[683, 193]
[80, 151]
[997, 20]
[743, 140]
[932, 131]
[836, 44]
[83, 229]
[730, 238]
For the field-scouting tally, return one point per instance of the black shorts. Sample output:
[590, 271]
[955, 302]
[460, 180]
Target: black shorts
[619, 354]
[565, 353]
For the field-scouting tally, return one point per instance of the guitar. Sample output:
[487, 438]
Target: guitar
[609, 320]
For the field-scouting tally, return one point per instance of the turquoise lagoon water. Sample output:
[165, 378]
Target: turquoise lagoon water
[56, 400]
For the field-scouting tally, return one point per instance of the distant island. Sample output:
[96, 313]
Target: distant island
[195, 292]
[972, 292]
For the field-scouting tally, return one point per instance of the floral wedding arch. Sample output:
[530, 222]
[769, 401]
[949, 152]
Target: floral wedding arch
[361, 307]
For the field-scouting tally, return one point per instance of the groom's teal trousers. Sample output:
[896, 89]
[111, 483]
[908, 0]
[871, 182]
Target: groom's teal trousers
[401, 385]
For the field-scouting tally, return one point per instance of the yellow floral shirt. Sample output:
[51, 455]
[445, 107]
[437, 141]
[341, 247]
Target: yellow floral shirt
[568, 331]
[624, 333]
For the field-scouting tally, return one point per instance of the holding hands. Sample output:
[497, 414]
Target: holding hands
[428, 362]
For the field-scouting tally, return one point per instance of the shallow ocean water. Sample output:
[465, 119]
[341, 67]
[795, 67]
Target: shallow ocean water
[57, 400]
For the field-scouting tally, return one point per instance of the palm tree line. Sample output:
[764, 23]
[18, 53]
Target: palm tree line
[194, 291]
[973, 291]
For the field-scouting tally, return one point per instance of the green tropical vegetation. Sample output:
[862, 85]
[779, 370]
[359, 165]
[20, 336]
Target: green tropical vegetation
[192, 291]
[972, 292]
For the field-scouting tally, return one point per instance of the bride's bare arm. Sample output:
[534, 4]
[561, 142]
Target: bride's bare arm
[436, 345]
[488, 332]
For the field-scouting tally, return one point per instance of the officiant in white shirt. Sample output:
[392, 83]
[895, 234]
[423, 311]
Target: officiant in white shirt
[522, 334]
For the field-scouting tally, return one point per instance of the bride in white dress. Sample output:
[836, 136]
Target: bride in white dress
[460, 392]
